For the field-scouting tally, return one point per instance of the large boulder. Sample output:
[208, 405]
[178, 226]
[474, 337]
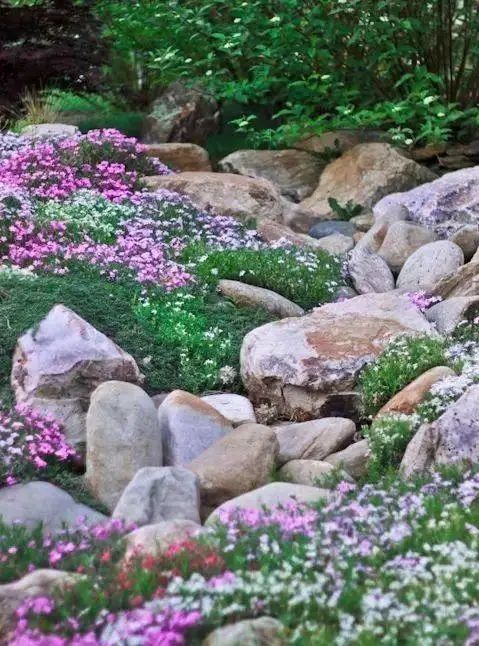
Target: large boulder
[188, 427]
[181, 113]
[41, 502]
[123, 436]
[364, 175]
[263, 631]
[40, 583]
[444, 204]
[60, 362]
[453, 438]
[226, 193]
[338, 141]
[160, 493]
[272, 231]
[313, 440]
[305, 472]
[235, 464]
[309, 365]
[402, 239]
[245, 295]
[294, 172]
[460, 283]
[182, 157]
[270, 496]
[428, 264]
[467, 237]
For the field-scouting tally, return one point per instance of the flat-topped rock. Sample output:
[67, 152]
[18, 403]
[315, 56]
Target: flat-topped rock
[181, 156]
[245, 295]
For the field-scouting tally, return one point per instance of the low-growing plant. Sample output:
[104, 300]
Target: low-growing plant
[304, 277]
[388, 437]
[346, 211]
[403, 360]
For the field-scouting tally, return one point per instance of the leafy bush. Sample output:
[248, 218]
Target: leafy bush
[410, 67]
[388, 437]
[306, 278]
[403, 360]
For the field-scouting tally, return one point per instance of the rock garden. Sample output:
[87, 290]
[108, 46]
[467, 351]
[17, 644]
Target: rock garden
[239, 392]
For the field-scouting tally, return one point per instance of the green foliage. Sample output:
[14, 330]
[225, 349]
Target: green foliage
[388, 437]
[409, 67]
[110, 308]
[346, 212]
[202, 334]
[404, 359]
[310, 282]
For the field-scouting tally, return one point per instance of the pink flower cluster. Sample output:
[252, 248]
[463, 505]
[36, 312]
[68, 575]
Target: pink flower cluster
[103, 160]
[422, 300]
[29, 442]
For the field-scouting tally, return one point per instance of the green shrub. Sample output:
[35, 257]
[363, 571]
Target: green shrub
[403, 360]
[306, 278]
[388, 438]
[128, 123]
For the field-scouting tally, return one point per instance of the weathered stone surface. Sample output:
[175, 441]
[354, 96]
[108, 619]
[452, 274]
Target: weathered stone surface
[462, 282]
[264, 631]
[271, 495]
[364, 175]
[313, 440]
[363, 222]
[452, 438]
[63, 360]
[401, 241]
[160, 493]
[467, 237]
[188, 427]
[447, 314]
[40, 130]
[330, 227]
[294, 172]
[41, 583]
[236, 463]
[454, 197]
[182, 157]
[272, 231]
[305, 472]
[245, 295]
[353, 459]
[181, 113]
[408, 399]
[369, 272]
[428, 264]
[123, 436]
[156, 539]
[236, 408]
[374, 237]
[225, 193]
[41, 502]
[336, 244]
[301, 365]
[339, 140]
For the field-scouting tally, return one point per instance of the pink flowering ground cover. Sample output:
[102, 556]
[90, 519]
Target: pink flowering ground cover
[375, 563]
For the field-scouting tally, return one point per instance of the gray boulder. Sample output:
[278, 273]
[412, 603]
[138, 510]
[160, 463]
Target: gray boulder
[452, 439]
[337, 243]
[428, 264]
[60, 362]
[447, 314]
[313, 440]
[236, 408]
[50, 130]
[306, 472]
[329, 227]
[181, 114]
[369, 272]
[156, 539]
[353, 459]
[123, 436]
[41, 502]
[467, 237]
[188, 427]
[160, 493]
